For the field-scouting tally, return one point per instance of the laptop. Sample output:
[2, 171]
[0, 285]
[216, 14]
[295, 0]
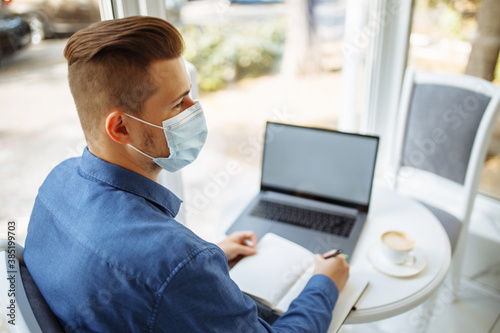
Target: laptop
[315, 187]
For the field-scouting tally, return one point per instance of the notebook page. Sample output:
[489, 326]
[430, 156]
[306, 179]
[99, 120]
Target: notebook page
[354, 288]
[295, 290]
[273, 270]
[352, 291]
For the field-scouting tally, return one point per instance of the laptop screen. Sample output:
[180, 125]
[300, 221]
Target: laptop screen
[322, 164]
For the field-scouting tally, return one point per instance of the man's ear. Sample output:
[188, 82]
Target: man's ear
[116, 128]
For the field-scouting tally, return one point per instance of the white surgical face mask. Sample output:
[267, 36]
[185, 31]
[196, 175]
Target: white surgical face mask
[186, 134]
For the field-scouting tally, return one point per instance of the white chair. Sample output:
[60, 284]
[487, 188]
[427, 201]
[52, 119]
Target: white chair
[445, 123]
[22, 303]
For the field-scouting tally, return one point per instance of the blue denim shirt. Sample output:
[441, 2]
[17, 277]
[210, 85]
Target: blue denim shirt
[108, 256]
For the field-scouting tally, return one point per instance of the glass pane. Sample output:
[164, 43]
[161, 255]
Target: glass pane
[39, 126]
[443, 37]
[256, 61]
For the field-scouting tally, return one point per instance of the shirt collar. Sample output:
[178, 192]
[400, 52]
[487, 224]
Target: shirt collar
[129, 181]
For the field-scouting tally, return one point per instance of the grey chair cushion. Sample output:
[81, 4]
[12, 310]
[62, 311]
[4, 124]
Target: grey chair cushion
[46, 319]
[450, 223]
[264, 311]
[441, 128]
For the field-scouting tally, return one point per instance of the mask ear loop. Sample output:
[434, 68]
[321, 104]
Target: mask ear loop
[143, 153]
[143, 121]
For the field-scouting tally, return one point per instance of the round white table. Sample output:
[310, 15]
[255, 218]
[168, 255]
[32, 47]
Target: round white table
[385, 296]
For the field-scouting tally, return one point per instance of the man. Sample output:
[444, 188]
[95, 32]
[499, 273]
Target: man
[103, 245]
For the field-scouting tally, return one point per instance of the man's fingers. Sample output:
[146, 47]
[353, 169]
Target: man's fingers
[246, 237]
[329, 253]
[246, 250]
[252, 238]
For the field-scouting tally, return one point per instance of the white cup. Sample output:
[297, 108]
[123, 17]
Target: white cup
[396, 246]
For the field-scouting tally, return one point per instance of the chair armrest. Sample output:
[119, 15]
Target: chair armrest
[15, 305]
[6, 245]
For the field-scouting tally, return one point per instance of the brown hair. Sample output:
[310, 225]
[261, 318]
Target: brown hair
[108, 66]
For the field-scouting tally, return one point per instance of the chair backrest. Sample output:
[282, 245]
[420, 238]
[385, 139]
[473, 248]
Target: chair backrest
[445, 122]
[24, 307]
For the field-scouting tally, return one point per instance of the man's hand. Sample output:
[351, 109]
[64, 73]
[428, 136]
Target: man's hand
[239, 244]
[335, 268]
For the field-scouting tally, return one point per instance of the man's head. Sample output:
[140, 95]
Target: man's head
[109, 67]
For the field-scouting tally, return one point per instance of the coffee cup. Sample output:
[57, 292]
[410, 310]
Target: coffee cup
[396, 246]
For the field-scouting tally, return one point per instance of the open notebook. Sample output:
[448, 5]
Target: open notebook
[281, 269]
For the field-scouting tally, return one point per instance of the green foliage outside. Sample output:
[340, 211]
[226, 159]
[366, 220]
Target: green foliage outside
[451, 24]
[228, 52]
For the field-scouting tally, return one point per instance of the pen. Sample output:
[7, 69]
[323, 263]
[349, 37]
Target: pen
[334, 254]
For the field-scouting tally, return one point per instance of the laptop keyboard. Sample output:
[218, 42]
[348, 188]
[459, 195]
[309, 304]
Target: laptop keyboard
[336, 224]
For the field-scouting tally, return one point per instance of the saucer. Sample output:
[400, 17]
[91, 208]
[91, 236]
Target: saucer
[414, 265]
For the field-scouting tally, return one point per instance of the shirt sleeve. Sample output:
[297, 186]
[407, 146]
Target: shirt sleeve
[312, 310]
[201, 297]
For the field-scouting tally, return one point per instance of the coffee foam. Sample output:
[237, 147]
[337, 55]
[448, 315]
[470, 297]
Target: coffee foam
[398, 241]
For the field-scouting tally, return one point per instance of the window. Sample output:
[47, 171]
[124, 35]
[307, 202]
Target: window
[256, 61]
[39, 126]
